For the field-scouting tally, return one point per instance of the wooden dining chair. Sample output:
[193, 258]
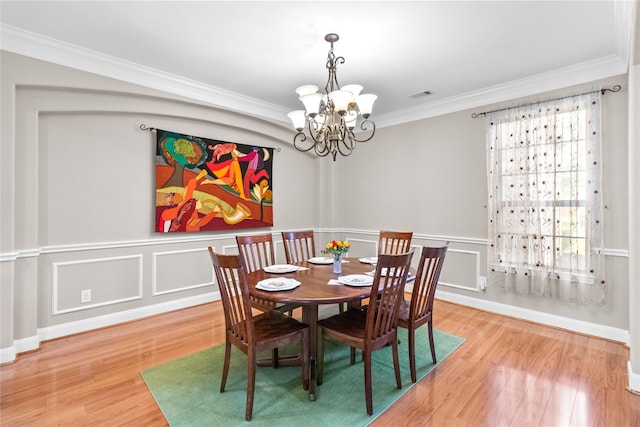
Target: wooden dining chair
[250, 334]
[298, 245]
[256, 252]
[394, 242]
[419, 310]
[374, 328]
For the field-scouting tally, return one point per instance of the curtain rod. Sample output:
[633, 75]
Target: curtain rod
[616, 88]
[150, 129]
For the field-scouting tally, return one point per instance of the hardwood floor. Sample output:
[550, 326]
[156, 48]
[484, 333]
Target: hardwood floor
[507, 373]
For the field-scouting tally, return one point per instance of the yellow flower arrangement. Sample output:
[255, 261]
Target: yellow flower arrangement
[336, 247]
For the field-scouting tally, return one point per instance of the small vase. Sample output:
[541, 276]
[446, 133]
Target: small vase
[337, 263]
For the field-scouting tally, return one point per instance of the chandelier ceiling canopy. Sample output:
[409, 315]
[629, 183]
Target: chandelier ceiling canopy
[330, 118]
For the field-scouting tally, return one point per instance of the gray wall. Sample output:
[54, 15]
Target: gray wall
[429, 176]
[77, 203]
[78, 185]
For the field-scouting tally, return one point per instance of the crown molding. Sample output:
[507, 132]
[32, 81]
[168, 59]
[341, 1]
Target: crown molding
[47, 49]
[36, 46]
[558, 79]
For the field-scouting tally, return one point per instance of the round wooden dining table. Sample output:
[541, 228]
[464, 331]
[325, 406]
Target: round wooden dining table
[313, 291]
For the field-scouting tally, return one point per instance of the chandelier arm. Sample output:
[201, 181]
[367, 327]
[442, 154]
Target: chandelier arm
[319, 137]
[366, 126]
[345, 143]
[300, 137]
[322, 146]
[332, 66]
[316, 133]
[323, 149]
[348, 144]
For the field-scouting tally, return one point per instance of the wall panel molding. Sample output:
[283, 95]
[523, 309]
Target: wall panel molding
[475, 284]
[174, 265]
[93, 282]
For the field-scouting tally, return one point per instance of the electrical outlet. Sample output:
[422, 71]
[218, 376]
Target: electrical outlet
[483, 283]
[85, 295]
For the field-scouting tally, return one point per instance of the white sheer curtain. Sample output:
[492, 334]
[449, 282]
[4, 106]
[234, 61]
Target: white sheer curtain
[545, 199]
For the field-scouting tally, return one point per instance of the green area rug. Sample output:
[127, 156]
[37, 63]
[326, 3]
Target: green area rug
[188, 389]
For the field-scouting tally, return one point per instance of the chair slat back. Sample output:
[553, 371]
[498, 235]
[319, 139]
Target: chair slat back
[394, 242]
[298, 245]
[427, 276]
[256, 251]
[386, 294]
[234, 290]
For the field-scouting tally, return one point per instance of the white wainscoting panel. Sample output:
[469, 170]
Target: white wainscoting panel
[110, 280]
[461, 270]
[180, 270]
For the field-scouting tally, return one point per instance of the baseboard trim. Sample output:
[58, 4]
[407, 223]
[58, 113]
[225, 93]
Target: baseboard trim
[579, 326]
[32, 343]
[634, 379]
[70, 328]
[9, 354]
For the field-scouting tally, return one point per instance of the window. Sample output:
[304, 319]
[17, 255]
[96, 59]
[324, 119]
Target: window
[545, 205]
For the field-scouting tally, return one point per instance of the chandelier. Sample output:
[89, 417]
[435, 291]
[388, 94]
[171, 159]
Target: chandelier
[332, 116]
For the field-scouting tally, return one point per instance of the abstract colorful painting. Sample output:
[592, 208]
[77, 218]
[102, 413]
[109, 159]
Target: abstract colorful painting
[207, 185]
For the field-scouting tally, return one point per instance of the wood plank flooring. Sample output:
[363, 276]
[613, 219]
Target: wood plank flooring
[507, 373]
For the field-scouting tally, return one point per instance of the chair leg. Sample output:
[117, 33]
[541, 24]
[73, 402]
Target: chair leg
[433, 347]
[367, 382]
[251, 384]
[274, 357]
[304, 350]
[412, 353]
[225, 369]
[320, 352]
[396, 362]
[352, 358]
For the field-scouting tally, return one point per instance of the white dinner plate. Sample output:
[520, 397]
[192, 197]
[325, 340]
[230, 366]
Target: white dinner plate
[280, 268]
[321, 260]
[368, 260]
[356, 280]
[277, 284]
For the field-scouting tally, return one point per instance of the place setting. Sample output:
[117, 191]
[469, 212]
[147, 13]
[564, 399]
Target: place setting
[356, 280]
[321, 260]
[276, 284]
[281, 268]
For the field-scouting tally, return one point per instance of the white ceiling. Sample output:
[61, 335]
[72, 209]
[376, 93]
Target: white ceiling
[252, 55]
